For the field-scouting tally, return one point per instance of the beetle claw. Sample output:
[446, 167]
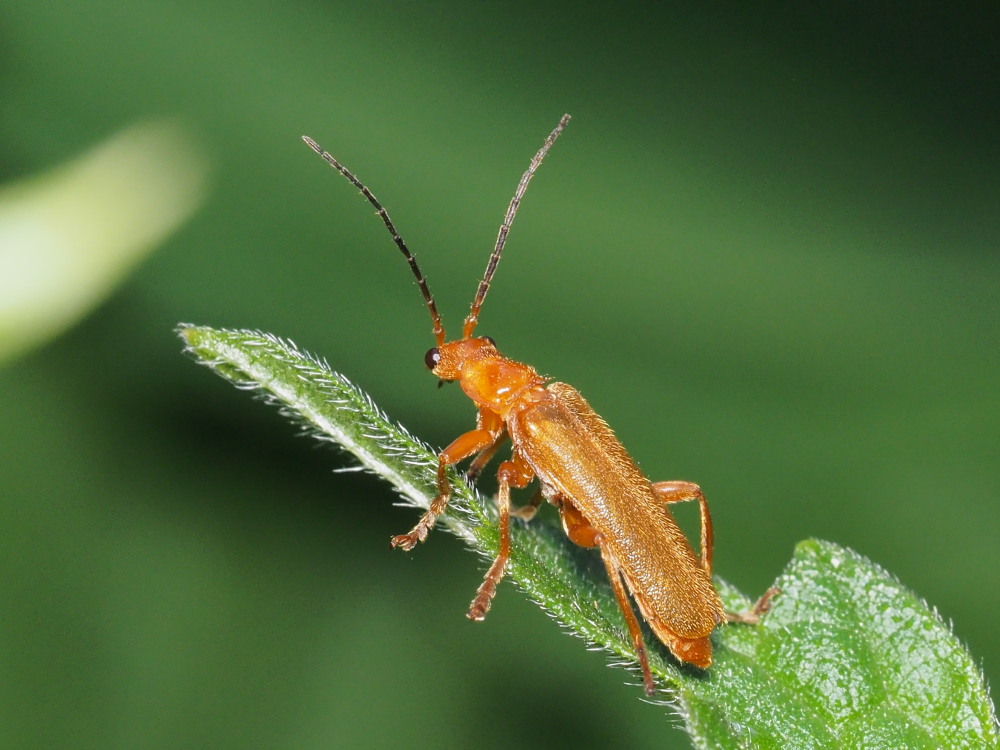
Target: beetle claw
[409, 541]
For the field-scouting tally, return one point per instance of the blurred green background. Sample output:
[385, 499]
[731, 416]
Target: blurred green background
[765, 249]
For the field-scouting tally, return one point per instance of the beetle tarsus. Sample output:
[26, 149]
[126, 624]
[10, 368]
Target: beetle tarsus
[763, 605]
[406, 541]
[760, 608]
[418, 534]
[648, 683]
[484, 598]
[426, 523]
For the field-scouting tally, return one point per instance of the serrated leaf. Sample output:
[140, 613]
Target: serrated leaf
[846, 658]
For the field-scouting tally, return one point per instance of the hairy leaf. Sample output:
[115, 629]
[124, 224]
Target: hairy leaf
[847, 656]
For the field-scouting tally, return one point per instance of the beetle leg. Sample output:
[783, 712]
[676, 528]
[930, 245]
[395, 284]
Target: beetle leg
[484, 457]
[618, 586]
[528, 511]
[465, 445]
[577, 528]
[753, 615]
[679, 492]
[580, 532]
[512, 473]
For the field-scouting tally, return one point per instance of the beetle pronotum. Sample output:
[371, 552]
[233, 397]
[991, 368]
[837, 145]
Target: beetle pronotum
[603, 498]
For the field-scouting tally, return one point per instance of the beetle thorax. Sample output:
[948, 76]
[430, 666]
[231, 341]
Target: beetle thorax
[498, 384]
[489, 379]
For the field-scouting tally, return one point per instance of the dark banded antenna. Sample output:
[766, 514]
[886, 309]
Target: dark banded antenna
[491, 267]
[421, 281]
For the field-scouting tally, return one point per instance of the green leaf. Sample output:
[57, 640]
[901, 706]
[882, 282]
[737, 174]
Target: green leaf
[847, 657]
[70, 236]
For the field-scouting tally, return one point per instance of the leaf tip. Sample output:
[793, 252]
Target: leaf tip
[194, 337]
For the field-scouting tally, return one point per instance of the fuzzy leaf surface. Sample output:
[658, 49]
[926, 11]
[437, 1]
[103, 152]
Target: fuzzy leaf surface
[847, 657]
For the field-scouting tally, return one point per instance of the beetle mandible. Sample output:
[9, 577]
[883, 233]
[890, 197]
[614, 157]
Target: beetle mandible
[603, 498]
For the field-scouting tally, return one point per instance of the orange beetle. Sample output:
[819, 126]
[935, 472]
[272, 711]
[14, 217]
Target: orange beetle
[603, 498]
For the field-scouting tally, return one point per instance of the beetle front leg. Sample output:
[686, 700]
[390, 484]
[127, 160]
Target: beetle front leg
[678, 491]
[485, 456]
[513, 473]
[465, 445]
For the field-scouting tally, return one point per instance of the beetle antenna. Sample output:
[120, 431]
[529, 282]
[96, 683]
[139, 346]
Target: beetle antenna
[421, 281]
[491, 267]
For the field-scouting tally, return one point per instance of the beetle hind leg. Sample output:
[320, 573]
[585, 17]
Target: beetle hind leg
[761, 607]
[678, 492]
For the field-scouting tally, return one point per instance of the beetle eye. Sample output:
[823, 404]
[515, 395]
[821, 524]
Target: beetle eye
[489, 340]
[432, 357]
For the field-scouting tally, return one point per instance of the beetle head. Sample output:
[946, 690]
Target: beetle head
[450, 359]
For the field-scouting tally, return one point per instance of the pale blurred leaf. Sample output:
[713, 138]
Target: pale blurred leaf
[68, 237]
